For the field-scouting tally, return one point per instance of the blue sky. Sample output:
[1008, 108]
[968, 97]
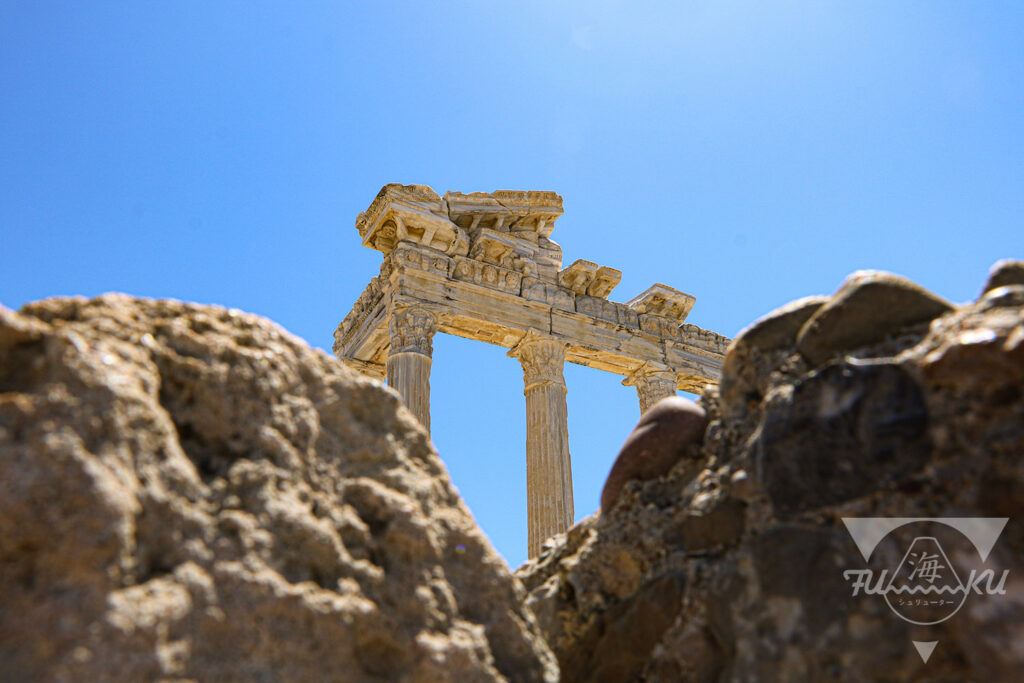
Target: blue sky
[748, 153]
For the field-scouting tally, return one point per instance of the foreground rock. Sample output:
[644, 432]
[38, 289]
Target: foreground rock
[187, 491]
[733, 568]
[660, 439]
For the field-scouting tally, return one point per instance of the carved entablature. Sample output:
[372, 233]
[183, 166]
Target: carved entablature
[374, 370]
[552, 295]
[410, 213]
[705, 339]
[510, 229]
[493, 247]
[577, 275]
[528, 215]
[549, 259]
[656, 326]
[477, 210]
[662, 300]
[600, 308]
[604, 282]
[415, 256]
[694, 384]
[535, 212]
[484, 267]
[487, 275]
[366, 302]
[590, 279]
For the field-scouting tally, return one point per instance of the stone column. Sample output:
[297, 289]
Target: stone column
[652, 384]
[412, 333]
[548, 466]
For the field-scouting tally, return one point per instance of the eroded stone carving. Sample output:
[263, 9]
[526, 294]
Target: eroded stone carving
[542, 360]
[586, 277]
[663, 301]
[411, 213]
[412, 330]
[652, 383]
[598, 308]
[553, 295]
[487, 274]
[415, 256]
[705, 339]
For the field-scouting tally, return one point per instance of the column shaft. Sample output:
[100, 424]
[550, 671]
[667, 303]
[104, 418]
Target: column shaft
[409, 375]
[548, 464]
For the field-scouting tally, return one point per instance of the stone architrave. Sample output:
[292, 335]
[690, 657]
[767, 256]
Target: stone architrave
[652, 384]
[548, 464]
[483, 266]
[409, 358]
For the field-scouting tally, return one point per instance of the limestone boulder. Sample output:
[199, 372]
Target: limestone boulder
[188, 492]
[731, 566]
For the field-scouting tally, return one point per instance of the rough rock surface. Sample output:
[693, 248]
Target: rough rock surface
[190, 492]
[868, 307]
[734, 569]
[1003, 273]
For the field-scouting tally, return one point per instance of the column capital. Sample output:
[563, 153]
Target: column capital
[542, 358]
[412, 330]
[653, 383]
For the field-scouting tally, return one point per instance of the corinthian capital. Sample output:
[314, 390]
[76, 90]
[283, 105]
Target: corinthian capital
[542, 360]
[652, 384]
[412, 330]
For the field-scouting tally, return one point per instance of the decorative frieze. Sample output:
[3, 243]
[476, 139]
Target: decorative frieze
[704, 339]
[414, 256]
[601, 309]
[627, 316]
[487, 275]
[535, 289]
[657, 326]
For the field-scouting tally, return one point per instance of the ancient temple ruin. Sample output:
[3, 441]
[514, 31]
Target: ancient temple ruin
[483, 266]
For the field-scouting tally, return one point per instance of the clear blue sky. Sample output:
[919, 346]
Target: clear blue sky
[746, 152]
